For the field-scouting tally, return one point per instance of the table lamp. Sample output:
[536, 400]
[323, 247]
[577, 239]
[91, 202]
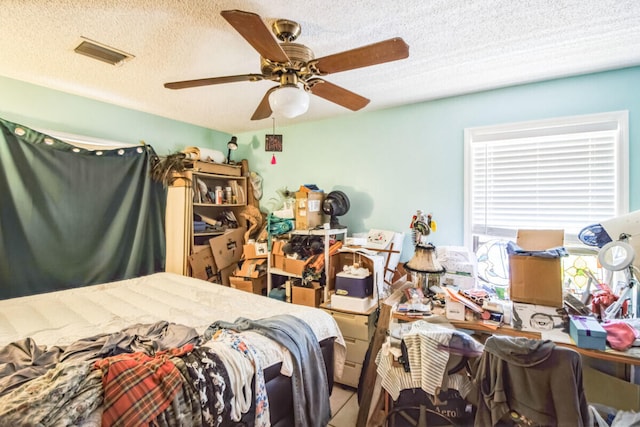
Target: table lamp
[231, 145]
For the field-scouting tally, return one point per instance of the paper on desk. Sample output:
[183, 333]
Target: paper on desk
[556, 335]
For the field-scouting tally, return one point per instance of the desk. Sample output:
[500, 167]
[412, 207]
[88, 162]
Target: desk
[608, 355]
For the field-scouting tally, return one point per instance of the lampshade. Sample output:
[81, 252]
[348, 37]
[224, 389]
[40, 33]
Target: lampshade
[424, 260]
[289, 101]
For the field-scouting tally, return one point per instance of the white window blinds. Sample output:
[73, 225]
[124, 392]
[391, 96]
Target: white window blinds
[560, 174]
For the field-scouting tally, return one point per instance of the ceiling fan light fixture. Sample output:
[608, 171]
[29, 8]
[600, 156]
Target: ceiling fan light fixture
[289, 101]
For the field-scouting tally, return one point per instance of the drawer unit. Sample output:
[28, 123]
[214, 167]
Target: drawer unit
[357, 330]
[356, 349]
[352, 325]
[350, 374]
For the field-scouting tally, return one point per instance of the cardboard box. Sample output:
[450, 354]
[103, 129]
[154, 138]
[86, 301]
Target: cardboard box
[294, 266]
[535, 318]
[311, 297]
[352, 286]
[276, 247]
[277, 255]
[256, 285]
[308, 209]
[278, 262]
[587, 332]
[217, 168]
[255, 250]
[224, 274]
[202, 263]
[536, 280]
[610, 391]
[227, 248]
[252, 268]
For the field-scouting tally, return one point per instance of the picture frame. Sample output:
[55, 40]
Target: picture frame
[273, 143]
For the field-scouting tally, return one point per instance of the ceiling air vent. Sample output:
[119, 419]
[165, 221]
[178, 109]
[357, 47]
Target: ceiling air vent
[102, 52]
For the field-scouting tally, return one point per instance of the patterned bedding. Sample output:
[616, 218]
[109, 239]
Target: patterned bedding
[60, 318]
[78, 322]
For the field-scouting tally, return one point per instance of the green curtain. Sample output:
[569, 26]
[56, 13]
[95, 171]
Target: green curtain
[72, 217]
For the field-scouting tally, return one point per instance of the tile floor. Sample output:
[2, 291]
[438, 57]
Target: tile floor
[344, 406]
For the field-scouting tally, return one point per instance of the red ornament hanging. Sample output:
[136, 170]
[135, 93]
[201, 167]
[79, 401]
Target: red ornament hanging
[273, 159]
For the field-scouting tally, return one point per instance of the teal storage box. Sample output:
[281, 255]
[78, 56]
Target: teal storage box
[587, 332]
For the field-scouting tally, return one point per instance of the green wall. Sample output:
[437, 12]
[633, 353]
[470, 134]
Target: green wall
[390, 163]
[395, 161]
[41, 108]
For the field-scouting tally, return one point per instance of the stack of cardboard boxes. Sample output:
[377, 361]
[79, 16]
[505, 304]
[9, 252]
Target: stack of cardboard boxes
[308, 209]
[311, 293]
[535, 282]
[252, 274]
[216, 261]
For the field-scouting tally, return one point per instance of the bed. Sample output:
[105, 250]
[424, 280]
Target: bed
[161, 318]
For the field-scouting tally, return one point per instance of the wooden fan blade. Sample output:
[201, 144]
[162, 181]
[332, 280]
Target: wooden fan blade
[214, 81]
[264, 108]
[253, 29]
[337, 94]
[376, 53]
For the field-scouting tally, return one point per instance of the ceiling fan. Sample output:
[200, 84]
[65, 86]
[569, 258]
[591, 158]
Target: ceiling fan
[295, 68]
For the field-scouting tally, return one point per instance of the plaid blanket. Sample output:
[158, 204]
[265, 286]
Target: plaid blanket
[137, 387]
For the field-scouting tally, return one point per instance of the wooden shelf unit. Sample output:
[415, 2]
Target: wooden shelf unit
[183, 202]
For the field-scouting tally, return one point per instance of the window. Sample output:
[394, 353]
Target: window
[564, 173]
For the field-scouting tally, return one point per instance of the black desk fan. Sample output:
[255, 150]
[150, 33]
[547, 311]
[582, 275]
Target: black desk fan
[336, 204]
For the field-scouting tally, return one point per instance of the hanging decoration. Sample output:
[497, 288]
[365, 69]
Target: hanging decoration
[273, 142]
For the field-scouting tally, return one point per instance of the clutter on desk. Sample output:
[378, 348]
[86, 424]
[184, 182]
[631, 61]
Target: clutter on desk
[421, 226]
[416, 304]
[535, 270]
[424, 266]
[537, 318]
[461, 267]
[603, 298]
[587, 332]
[621, 335]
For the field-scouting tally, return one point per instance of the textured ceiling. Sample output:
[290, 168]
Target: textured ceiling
[455, 47]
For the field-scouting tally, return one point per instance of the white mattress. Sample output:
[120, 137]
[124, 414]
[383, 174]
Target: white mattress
[60, 318]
